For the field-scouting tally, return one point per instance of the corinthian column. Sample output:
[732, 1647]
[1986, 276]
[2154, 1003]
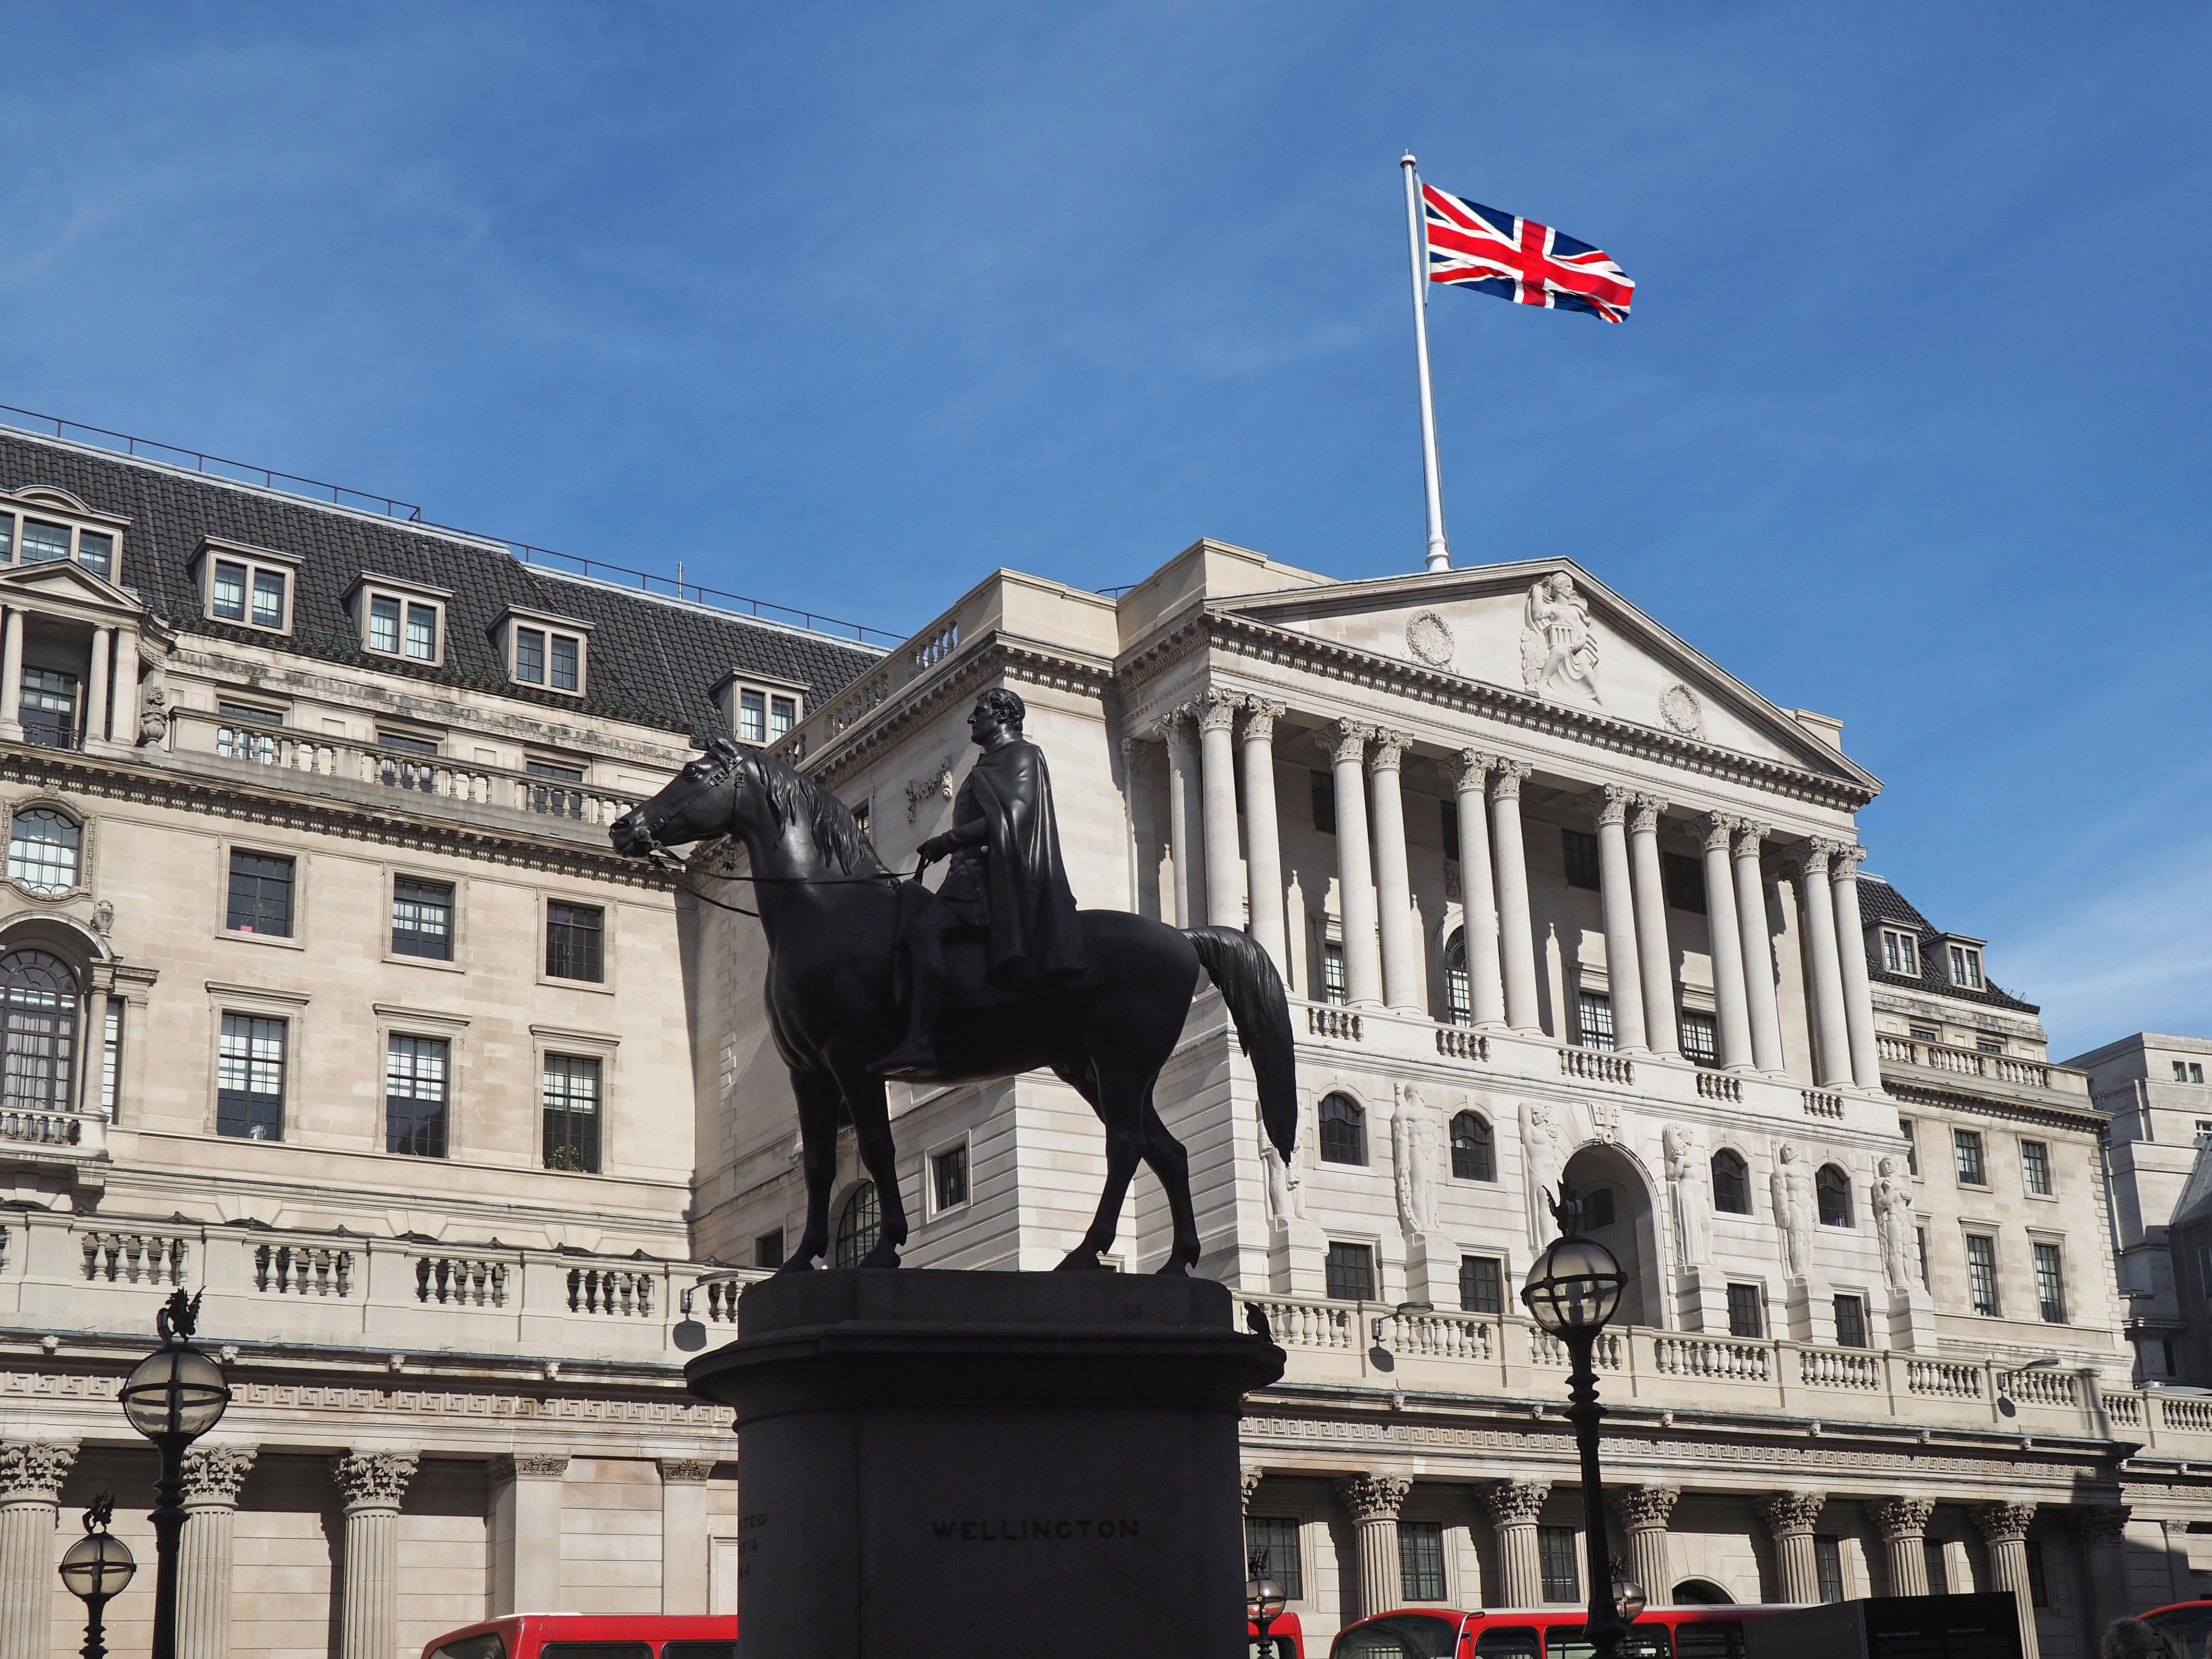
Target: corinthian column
[684, 1534]
[1355, 864]
[1653, 954]
[1832, 1044]
[1374, 1501]
[30, 1476]
[1733, 1023]
[371, 1483]
[1851, 950]
[1790, 1516]
[2103, 1531]
[1514, 1506]
[1185, 819]
[1217, 742]
[2004, 1529]
[214, 1475]
[1517, 937]
[1144, 830]
[1644, 1512]
[1904, 1524]
[1623, 979]
[1758, 953]
[1263, 842]
[1394, 884]
[1478, 894]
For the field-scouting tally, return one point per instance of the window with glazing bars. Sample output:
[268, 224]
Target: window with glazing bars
[1911, 1145]
[1350, 1272]
[1578, 847]
[38, 1004]
[948, 1172]
[260, 895]
[2035, 1167]
[1967, 1146]
[1683, 880]
[422, 632]
[782, 715]
[1481, 1285]
[1343, 1130]
[49, 710]
[1938, 1576]
[2038, 1585]
[1700, 1043]
[1421, 1560]
[1555, 1560]
[111, 1060]
[1332, 973]
[2049, 1284]
[1731, 1183]
[574, 938]
[44, 543]
[1850, 1321]
[43, 850]
[752, 717]
[1458, 996]
[249, 1102]
[1747, 1305]
[1982, 1273]
[571, 1092]
[422, 918]
[383, 625]
[1473, 1150]
[1448, 823]
[1321, 794]
[1828, 1567]
[1594, 1021]
[1271, 1550]
[416, 1072]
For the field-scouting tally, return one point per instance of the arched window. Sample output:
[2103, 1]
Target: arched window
[1343, 1130]
[1731, 1183]
[38, 1031]
[1833, 1189]
[1474, 1158]
[45, 851]
[1597, 1209]
[860, 1224]
[1458, 998]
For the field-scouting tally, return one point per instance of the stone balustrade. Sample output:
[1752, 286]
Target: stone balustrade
[1969, 1062]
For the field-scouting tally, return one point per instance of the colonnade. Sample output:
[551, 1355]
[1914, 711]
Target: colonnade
[112, 667]
[1225, 737]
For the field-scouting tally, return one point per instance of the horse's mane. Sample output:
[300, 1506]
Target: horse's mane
[836, 832]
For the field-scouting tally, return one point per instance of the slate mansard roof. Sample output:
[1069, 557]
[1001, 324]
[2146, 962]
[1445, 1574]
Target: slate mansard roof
[1880, 903]
[654, 661]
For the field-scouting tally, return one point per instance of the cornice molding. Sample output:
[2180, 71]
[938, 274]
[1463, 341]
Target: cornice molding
[2085, 1121]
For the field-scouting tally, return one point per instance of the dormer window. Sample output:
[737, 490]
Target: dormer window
[402, 620]
[1900, 952]
[545, 651]
[248, 587]
[758, 710]
[1965, 967]
[43, 526]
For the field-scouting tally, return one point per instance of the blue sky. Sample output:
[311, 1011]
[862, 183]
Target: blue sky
[842, 307]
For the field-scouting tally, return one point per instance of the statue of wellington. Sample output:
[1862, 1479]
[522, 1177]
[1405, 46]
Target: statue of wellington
[1006, 884]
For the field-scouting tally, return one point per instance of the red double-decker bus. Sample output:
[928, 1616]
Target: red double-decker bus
[591, 1635]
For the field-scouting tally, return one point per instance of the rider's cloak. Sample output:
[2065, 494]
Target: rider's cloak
[1035, 935]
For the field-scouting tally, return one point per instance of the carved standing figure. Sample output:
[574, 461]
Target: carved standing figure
[1543, 1162]
[1286, 1199]
[1693, 1204]
[1413, 1146]
[1792, 1191]
[1894, 1225]
[1558, 654]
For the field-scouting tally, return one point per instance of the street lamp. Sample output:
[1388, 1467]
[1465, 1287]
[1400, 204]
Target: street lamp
[1572, 1290]
[95, 1569]
[175, 1396]
[1264, 1602]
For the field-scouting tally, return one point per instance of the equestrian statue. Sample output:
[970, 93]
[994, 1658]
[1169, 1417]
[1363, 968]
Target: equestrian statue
[871, 975]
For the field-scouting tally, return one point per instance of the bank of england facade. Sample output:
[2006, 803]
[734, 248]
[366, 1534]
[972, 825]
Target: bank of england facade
[325, 992]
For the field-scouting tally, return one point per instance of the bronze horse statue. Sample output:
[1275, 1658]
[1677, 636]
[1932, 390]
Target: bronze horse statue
[831, 910]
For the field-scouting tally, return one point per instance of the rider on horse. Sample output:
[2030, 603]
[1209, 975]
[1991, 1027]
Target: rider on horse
[1006, 883]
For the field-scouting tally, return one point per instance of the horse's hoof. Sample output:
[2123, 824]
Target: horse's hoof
[800, 1264]
[1078, 1261]
[1172, 1268]
[886, 1255]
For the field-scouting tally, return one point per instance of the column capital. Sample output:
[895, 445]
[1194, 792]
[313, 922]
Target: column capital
[1609, 803]
[685, 1471]
[1645, 1508]
[1248, 1477]
[1715, 830]
[1474, 767]
[1789, 1514]
[1132, 749]
[214, 1475]
[1260, 717]
[1347, 741]
[1374, 1497]
[1845, 858]
[1506, 777]
[1218, 708]
[1643, 815]
[1389, 750]
[1516, 1502]
[372, 1480]
[535, 1465]
[2102, 1525]
[1902, 1518]
[32, 1471]
[2004, 1522]
[1751, 837]
[1812, 860]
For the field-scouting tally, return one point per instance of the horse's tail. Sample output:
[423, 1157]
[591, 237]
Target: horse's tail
[1254, 991]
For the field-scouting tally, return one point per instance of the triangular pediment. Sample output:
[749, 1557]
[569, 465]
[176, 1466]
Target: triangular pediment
[1547, 630]
[62, 581]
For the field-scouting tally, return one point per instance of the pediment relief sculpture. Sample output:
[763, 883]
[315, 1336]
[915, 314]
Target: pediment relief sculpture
[1558, 653]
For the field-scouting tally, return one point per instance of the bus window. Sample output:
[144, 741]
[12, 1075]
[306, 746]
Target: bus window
[699, 1650]
[1721, 1638]
[1403, 1636]
[1642, 1642]
[596, 1650]
[485, 1645]
[1509, 1642]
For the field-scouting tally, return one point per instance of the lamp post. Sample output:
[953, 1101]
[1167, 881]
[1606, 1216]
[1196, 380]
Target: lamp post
[176, 1395]
[95, 1569]
[1572, 1290]
[1264, 1602]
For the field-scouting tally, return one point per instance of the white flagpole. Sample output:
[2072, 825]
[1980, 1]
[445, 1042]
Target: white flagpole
[1417, 248]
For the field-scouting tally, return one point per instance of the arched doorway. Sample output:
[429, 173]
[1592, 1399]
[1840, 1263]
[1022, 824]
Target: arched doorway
[1700, 1593]
[1617, 1212]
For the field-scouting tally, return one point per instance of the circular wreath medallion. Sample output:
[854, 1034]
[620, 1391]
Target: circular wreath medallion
[1679, 708]
[1429, 637]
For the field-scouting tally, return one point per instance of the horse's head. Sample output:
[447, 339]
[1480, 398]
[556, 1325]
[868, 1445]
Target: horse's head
[698, 803]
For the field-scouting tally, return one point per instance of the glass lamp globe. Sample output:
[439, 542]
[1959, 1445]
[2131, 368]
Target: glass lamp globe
[97, 1566]
[1574, 1285]
[1627, 1597]
[1264, 1601]
[176, 1389]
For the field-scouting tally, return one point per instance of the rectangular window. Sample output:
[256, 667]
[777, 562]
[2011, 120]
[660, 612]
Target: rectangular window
[49, 708]
[1350, 1272]
[1459, 990]
[250, 711]
[1850, 1321]
[948, 1175]
[383, 625]
[422, 918]
[249, 1101]
[1926, 1284]
[2049, 1284]
[767, 1250]
[1332, 973]
[1555, 1557]
[269, 599]
[1683, 880]
[1322, 791]
[416, 1070]
[574, 935]
[752, 717]
[260, 895]
[782, 715]
[96, 553]
[44, 543]
[572, 1113]
[1579, 848]
[111, 1060]
[1939, 1578]
[1989, 1046]
[1271, 1548]
[1966, 968]
[405, 742]
[2035, 1167]
[530, 655]
[1747, 1311]
[1447, 825]
[1982, 1273]
[1481, 1285]
[227, 603]
[566, 658]
[1828, 1567]
[2180, 1073]
[2196, 1072]
[1701, 1043]
[422, 632]
[1911, 1145]
[2038, 1586]
[1594, 1021]
[1926, 1034]
[1421, 1560]
[1901, 953]
[1967, 1145]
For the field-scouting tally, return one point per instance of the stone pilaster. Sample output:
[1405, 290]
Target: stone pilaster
[30, 1476]
[684, 1534]
[1355, 864]
[1144, 828]
[527, 1491]
[1217, 745]
[2004, 1529]
[1514, 1506]
[1790, 1516]
[1653, 956]
[1374, 1501]
[372, 1484]
[1186, 820]
[213, 1477]
[1623, 973]
[1263, 839]
[1903, 1522]
[1516, 934]
[1644, 1512]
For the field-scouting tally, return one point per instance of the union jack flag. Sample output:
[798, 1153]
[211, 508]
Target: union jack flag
[1471, 246]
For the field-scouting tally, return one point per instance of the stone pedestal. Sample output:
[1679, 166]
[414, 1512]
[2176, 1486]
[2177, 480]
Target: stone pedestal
[1431, 1269]
[988, 1464]
[1701, 1299]
[1810, 1310]
[1912, 1321]
[1298, 1257]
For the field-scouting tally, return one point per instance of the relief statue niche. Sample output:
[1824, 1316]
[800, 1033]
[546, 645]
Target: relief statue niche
[1416, 1147]
[1894, 1225]
[1791, 1189]
[1543, 1162]
[1693, 1204]
[1558, 653]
